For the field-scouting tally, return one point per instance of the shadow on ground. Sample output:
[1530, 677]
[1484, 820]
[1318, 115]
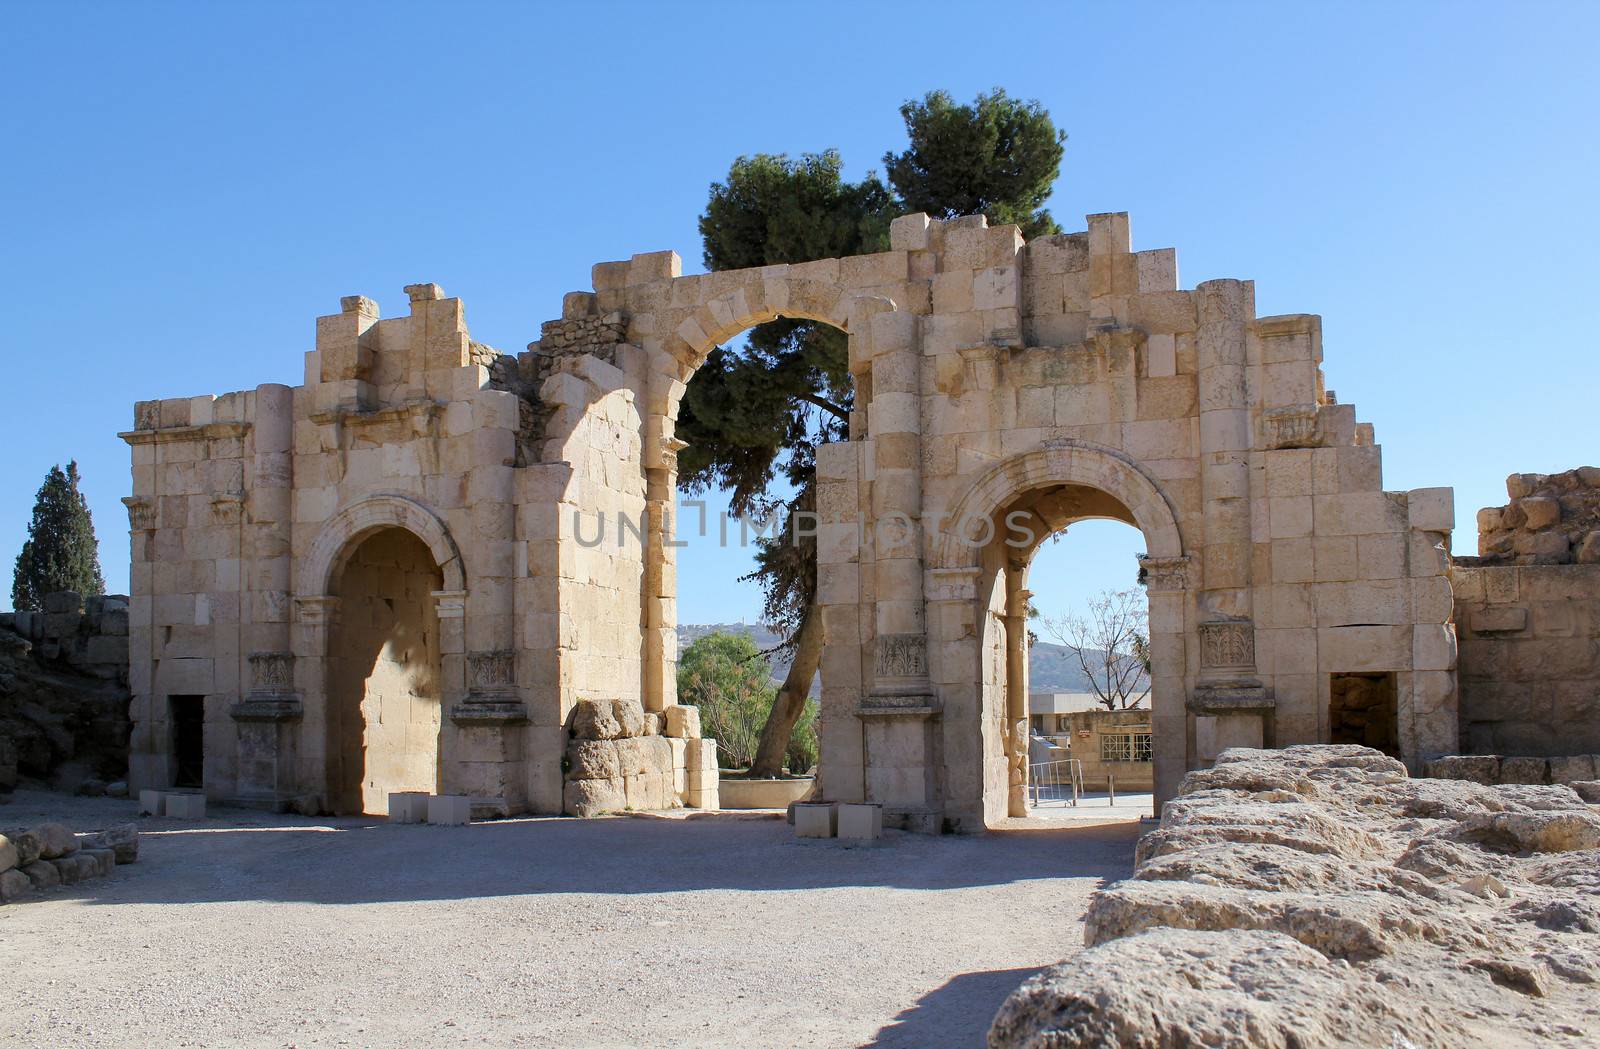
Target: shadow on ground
[955, 1015]
[239, 855]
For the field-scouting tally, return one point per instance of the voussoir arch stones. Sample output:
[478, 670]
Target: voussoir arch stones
[690, 332]
[342, 532]
[1065, 461]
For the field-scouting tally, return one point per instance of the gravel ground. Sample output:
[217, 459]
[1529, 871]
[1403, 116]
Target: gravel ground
[250, 929]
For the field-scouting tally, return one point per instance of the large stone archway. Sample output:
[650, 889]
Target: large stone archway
[983, 365]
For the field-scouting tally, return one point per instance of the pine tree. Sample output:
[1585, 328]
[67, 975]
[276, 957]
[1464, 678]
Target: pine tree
[61, 552]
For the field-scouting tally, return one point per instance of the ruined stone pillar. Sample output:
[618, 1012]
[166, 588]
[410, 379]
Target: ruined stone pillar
[269, 714]
[1016, 627]
[899, 710]
[1228, 682]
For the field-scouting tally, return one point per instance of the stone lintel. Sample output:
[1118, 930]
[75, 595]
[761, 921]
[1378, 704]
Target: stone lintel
[489, 710]
[281, 707]
[1240, 697]
[167, 435]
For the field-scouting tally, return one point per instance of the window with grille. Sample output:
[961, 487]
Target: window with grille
[1125, 746]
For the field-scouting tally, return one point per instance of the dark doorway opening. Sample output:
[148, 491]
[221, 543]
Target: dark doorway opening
[1362, 709]
[187, 715]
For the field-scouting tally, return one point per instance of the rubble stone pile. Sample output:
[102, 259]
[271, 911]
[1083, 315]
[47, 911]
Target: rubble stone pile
[49, 855]
[1552, 519]
[1317, 897]
[621, 758]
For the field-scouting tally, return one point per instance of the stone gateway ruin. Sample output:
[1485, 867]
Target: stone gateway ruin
[405, 573]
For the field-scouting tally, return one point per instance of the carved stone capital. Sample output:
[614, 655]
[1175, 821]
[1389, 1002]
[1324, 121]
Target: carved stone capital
[227, 508]
[143, 512]
[271, 673]
[1228, 645]
[901, 656]
[1165, 573]
[491, 673]
[1296, 426]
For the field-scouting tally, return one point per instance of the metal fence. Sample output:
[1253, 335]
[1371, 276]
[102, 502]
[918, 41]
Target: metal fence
[1059, 782]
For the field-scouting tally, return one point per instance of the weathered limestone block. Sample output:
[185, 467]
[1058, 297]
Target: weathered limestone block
[1285, 890]
[593, 797]
[594, 719]
[450, 810]
[8, 854]
[122, 840]
[629, 715]
[29, 846]
[1524, 770]
[42, 874]
[1588, 790]
[14, 885]
[1573, 769]
[1475, 768]
[593, 759]
[815, 820]
[105, 860]
[683, 722]
[67, 868]
[55, 841]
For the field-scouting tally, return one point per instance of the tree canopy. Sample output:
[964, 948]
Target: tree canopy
[998, 157]
[61, 552]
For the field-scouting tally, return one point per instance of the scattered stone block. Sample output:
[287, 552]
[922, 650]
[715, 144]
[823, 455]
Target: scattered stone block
[629, 716]
[14, 885]
[408, 807]
[185, 806]
[117, 789]
[88, 866]
[1588, 790]
[593, 759]
[8, 854]
[42, 874]
[1573, 769]
[67, 868]
[55, 841]
[152, 803]
[683, 722]
[1524, 770]
[592, 719]
[450, 810]
[105, 860]
[122, 840]
[29, 846]
[860, 821]
[815, 820]
[593, 797]
[1474, 768]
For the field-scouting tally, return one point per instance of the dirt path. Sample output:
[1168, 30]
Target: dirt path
[717, 930]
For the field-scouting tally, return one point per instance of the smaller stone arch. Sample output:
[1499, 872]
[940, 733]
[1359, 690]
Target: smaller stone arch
[761, 298]
[342, 533]
[1064, 461]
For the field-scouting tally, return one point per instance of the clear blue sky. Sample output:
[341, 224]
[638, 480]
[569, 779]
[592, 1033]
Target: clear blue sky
[187, 186]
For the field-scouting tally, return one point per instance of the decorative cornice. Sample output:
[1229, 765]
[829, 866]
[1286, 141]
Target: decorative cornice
[170, 434]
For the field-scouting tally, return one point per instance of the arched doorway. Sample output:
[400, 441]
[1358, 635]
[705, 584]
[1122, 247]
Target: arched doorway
[384, 679]
[983, 554]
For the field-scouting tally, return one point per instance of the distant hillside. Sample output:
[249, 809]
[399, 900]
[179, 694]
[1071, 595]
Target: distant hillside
[1051, 668]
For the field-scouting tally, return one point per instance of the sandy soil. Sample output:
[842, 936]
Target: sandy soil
[248, 929]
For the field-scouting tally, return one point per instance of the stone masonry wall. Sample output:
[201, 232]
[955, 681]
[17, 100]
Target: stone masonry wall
[87, 635]
[1529, 658]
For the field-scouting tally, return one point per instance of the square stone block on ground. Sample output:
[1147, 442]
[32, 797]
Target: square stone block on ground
[860, 821]
[408, 807]
[184, 806]
[450, 810]
[815, 821]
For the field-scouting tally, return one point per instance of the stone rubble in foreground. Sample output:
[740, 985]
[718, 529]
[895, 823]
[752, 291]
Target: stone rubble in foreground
[1317, 896]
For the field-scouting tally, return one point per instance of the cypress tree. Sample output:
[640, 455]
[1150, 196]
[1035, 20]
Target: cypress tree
[61, 552]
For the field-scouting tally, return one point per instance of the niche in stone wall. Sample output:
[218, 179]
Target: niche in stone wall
[1362, 708]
